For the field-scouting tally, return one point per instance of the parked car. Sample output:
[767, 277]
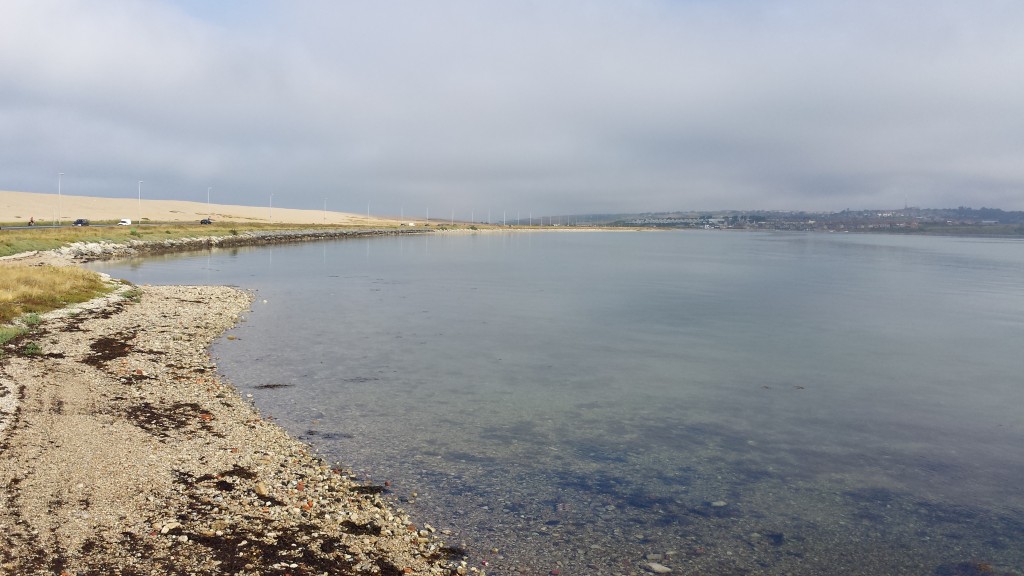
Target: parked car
[206, 221]
[125, 222]
[81, 222]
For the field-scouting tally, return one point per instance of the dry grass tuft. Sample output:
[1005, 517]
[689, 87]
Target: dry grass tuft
[36, 289]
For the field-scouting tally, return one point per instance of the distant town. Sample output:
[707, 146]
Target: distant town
[962, 220]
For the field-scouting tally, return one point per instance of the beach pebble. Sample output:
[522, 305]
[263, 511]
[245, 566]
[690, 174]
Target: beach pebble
[215, 481]
[658, 568]
[169, 526]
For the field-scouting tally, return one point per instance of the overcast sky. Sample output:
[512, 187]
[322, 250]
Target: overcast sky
[543, 107]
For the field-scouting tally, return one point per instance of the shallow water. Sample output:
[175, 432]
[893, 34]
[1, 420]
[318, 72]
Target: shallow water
[737, 403]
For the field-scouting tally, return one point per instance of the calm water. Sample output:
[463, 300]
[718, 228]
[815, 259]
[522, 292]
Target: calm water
[737, 403]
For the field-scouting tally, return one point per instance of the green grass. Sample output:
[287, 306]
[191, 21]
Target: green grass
[8, 333]
[31, 349]
[133, 294]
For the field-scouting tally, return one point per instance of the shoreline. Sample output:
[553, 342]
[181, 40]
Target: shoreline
[128, 454]
[87, 251]
[80, 252]
[122, 450]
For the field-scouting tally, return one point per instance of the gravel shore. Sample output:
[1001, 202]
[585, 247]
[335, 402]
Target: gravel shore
[123, 452]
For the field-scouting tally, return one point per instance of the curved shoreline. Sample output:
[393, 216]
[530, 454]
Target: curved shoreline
[86, 251]
[122, 451]
[128, 454]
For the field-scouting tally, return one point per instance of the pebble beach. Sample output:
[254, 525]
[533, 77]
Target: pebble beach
[123, 452]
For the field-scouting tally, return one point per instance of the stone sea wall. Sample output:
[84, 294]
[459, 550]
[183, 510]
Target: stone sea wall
[87, 251]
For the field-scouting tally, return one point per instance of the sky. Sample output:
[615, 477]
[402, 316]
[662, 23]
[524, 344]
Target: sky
[529, 107]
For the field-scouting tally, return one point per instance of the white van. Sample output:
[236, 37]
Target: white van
[125, 222]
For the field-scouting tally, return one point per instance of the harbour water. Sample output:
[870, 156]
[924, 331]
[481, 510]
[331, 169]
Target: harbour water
[618, 402]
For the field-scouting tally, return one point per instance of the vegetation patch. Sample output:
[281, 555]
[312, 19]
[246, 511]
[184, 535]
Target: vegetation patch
[133, 294]
[31, 349]
[8, 333]
[31, 290]
[19, 241]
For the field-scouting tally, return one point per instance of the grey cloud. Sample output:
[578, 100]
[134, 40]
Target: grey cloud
[568, 106]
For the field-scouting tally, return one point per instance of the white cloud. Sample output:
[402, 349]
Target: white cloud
[568, 106]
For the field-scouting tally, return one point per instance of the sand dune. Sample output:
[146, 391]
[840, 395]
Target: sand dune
[20, 206]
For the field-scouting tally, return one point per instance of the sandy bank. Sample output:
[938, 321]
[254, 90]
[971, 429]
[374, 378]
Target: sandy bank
[48, 208]
[129, 455]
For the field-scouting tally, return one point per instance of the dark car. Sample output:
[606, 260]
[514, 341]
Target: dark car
[206, 221]
[81, 222]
